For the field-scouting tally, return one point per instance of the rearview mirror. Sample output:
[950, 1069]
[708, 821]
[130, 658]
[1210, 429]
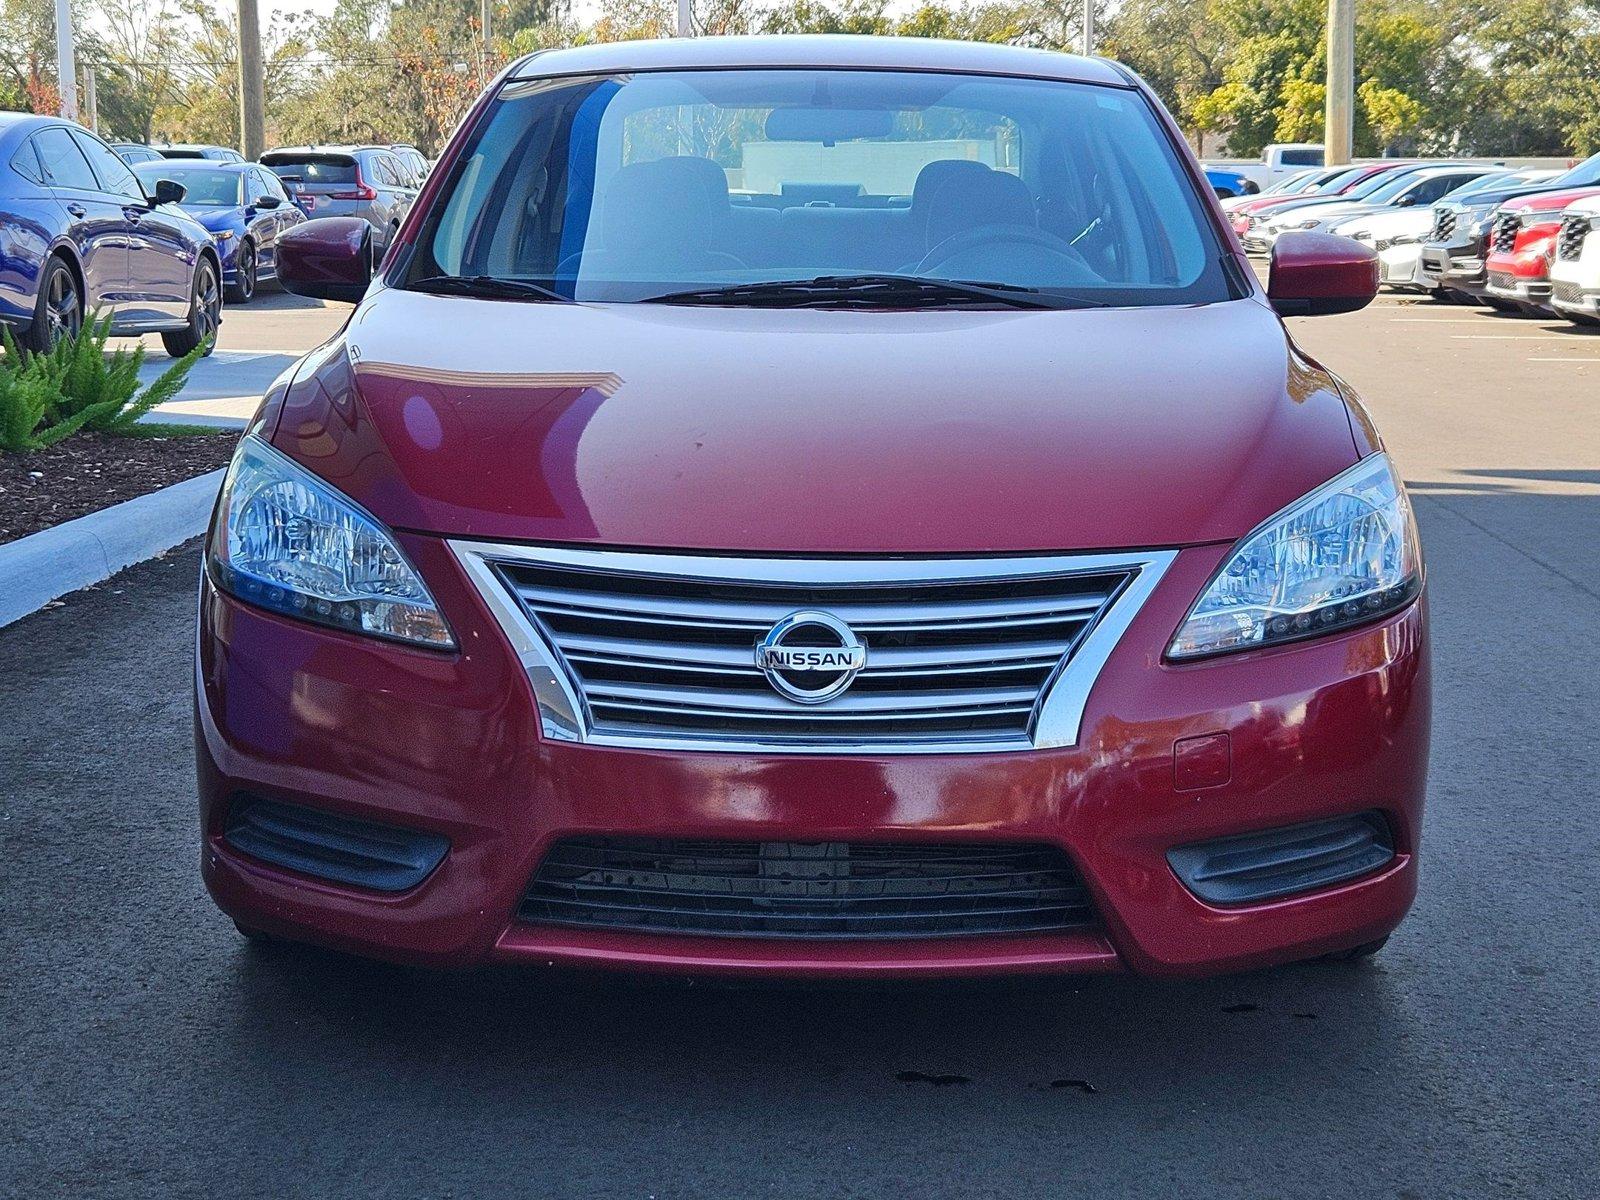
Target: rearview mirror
[827, 125]
[1314, 274]
[169, 191]
[329, 258]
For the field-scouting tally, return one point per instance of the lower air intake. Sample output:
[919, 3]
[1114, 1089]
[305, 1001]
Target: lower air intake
[828, 890]
[339, 849]
[1283, 861]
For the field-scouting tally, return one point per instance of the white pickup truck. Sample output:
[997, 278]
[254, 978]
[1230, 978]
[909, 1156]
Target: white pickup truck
[1277, 161]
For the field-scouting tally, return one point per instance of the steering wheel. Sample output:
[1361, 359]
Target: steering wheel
[987, 236]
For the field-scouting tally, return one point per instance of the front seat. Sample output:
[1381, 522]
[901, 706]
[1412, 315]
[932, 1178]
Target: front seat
[660, 220]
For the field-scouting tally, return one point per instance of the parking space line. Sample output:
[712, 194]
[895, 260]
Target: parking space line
[1566, 360]
[1509, 337]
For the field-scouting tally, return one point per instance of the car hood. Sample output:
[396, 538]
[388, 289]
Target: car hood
[1326, 212]
[816, 431]
[1388, 222]
[215, 219]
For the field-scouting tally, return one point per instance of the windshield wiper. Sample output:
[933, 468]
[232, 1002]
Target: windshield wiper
[874, 291]
[486, 287]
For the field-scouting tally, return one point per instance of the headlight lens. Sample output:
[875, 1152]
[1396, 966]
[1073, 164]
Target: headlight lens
[222, 235]
[1344, 554]
[286, 541]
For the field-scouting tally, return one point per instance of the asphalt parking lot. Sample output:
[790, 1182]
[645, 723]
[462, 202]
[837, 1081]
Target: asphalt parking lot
[149, 1051]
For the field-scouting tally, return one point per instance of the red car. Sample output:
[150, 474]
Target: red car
[829, 506]
[1521, 243]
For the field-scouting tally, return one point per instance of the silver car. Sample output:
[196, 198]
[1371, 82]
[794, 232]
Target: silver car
[371, 182]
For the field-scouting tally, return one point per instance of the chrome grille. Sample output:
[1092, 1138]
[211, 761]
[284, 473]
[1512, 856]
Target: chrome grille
[1502, 281]
[656, 649]
[1567, 293]
[1503, 236]
[1569, 242]
[1444, 225]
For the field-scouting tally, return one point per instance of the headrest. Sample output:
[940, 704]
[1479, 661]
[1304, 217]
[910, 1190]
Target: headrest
[970, 200]
[672, 199]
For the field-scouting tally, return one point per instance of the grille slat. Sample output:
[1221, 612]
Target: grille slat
[1569, 242]
[806, 890]
[658, 655]
[1503, 236]
[1444, 225]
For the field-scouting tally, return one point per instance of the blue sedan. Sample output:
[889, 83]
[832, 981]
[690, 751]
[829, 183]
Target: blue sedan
[244, 207]
[80, 235]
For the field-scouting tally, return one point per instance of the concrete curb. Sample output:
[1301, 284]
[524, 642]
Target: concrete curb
[53, 562]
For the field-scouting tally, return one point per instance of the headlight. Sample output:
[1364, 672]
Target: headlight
[222, 235]
[1344, 554]
[1307, 223]
[1406, 239]
[1360, 235]
[286, 541]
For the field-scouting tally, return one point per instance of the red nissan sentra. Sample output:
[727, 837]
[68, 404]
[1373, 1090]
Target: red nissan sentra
[828, 506]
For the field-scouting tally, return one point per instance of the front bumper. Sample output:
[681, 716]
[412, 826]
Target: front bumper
[1575, 284]
[1399, 267]
[1458, 265]
[448, 744]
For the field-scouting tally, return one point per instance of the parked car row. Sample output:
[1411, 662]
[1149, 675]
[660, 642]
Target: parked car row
[1514, 239]
[81, 234]
[157, 237]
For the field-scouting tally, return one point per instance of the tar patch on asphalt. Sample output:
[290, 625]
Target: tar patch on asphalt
[936, 1080]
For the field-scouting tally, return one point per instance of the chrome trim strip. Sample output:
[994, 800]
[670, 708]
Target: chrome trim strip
[564, 715]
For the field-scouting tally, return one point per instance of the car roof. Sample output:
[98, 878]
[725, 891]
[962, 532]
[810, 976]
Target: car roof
[196, 164]
[818, 50]
[328, 149]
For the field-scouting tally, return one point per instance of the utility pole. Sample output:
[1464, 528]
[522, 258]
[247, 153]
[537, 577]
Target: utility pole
[252, 85]
[685, 23]
[1338, 117]
[66, 58]
[1088, 28]
[486, 21]
[91, 103]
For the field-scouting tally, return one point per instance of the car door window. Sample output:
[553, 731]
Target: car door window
[271, 186]
[112, 172]
[64, 164]
[26, 163]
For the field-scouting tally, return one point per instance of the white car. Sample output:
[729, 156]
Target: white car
[1416, 188]
[1575, 270]
[1397, 235]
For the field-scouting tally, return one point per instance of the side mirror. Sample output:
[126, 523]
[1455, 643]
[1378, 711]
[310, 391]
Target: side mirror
[169, 191]
[329, 258]
[1314, 274]
[265, 202]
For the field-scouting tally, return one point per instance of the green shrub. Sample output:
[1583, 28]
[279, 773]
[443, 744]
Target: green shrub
[46, 397]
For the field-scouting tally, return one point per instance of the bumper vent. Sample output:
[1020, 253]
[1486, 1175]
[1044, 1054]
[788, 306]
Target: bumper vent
[661, 651]
[1568, 293]
[1284, 861]
[339, 849]
[1502, 281]
[827, 890]
[1569, 242]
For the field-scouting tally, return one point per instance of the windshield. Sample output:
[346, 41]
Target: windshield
[630, 188]
[201, 188]
[1585, 174]
[1368, 189]
[1391, 185]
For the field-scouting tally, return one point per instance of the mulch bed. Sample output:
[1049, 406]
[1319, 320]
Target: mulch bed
[90, 471]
